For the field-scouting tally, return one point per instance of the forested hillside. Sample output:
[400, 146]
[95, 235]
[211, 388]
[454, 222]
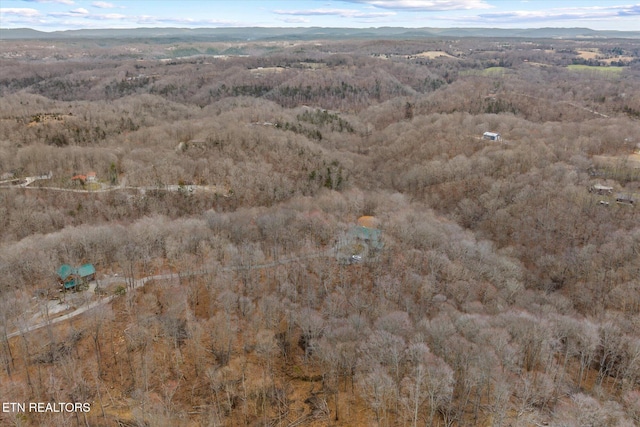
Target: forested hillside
[316, 232]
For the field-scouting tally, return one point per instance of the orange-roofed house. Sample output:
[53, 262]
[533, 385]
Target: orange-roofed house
[79, 178]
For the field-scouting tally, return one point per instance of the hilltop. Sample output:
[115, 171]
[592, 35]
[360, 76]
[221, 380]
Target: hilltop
[242, 34]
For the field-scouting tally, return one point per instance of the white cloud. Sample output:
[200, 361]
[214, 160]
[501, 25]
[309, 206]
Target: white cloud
[103, 5]
[426, 5]
[12, 17]
[79, 11]
[182, 22]
[562, 14]
[296, 20]
[68, 2]
[546, 17]
[110, 17]
[343, 13]
[23, 12]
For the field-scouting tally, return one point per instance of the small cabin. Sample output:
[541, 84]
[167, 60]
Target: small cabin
[625, 199]
[491, 136]
[70, 277]
[601, 189]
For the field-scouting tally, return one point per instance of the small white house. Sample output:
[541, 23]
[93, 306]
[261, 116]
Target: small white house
[492, 136]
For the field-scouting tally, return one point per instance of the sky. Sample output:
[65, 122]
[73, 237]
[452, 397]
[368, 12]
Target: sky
[52, 15]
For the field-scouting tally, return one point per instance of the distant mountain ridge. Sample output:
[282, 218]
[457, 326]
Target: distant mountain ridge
[264, 33]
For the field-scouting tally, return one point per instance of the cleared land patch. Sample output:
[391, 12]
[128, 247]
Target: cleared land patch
[589, 54]
[267, 70]
[629, 160]
[617, 59]
[597, 55]
[611, 71]
[432, 54]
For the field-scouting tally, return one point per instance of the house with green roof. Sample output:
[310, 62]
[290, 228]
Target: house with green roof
[370, 236]
[70, 277]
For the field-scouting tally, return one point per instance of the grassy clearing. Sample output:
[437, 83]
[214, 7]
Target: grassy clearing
[589, 54]
[607, 71]
[432, 54]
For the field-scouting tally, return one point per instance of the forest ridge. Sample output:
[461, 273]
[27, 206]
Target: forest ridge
[314, 231]
[278, 34]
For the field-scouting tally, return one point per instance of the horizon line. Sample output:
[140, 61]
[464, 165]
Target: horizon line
[319, 27]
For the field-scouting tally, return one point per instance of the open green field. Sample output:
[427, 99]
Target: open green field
[611, 71]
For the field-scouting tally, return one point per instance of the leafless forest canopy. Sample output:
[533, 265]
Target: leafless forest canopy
[502, 288]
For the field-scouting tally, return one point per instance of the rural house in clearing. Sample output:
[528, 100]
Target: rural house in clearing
[601, 189]
[70, 277]
[625, 199]
[89, 177]
[491, 136]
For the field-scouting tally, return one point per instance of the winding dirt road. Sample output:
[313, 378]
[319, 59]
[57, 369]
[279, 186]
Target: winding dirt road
[138, 283]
